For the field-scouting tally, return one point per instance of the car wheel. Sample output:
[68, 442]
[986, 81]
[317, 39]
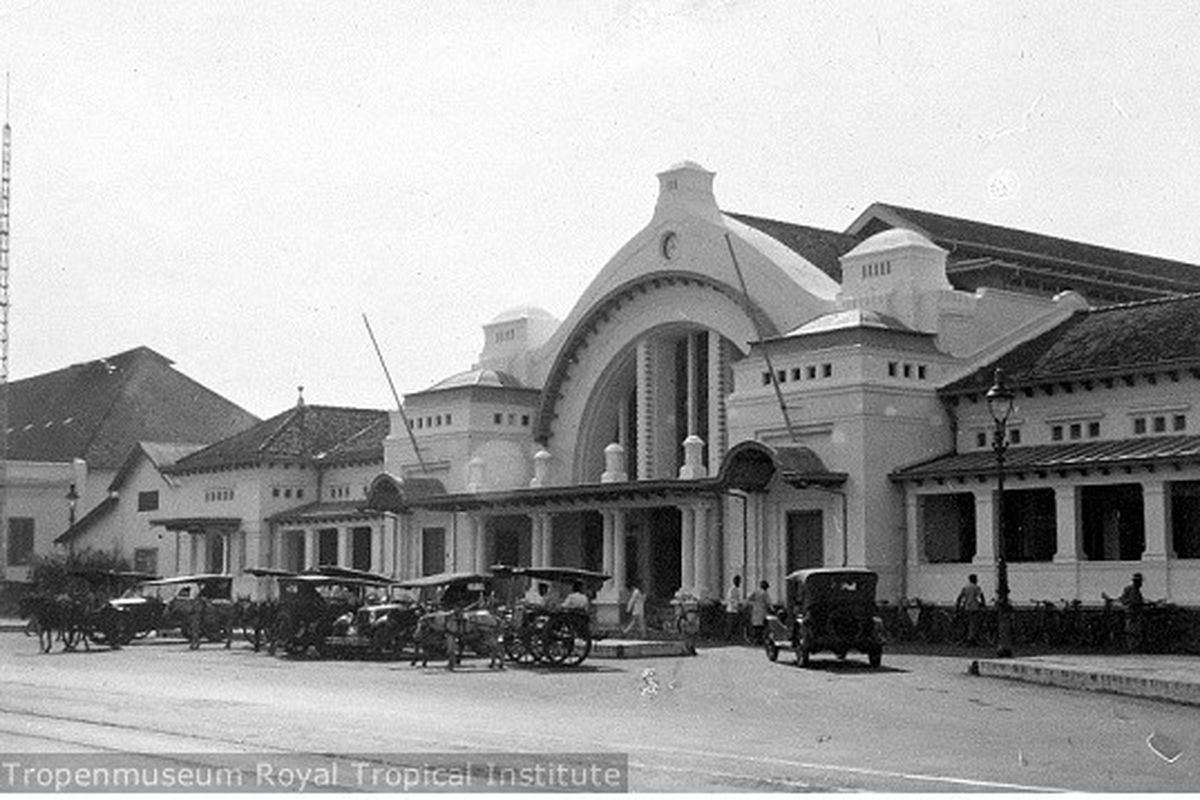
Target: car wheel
[772, 650]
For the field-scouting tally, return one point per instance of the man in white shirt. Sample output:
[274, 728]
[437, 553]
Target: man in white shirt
[576, 600]
[734, 600]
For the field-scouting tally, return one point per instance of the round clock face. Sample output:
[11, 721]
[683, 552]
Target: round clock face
[670, 246]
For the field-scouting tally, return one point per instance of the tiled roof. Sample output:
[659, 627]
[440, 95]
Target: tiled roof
[160, 454]
[968, 235]
[302, 433]
[344, 509]
[99, 409]
[819, 247]
[1048, 457]
[1101, 342]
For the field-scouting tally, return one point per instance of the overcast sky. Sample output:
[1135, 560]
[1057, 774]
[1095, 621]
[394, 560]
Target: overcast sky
[235, 184]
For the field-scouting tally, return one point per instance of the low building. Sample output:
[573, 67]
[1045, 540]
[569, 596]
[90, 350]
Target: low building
[70, 432]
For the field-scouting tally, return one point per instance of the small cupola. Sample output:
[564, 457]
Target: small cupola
[687, 187]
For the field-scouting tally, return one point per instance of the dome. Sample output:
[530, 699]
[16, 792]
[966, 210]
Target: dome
[852, 318]
[892, 239]
[521, 312]
[478, 377]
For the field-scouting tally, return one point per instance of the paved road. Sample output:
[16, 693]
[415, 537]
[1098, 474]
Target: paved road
[725, 720]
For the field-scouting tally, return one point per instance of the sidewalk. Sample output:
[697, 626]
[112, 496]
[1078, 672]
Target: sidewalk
[1172, 678]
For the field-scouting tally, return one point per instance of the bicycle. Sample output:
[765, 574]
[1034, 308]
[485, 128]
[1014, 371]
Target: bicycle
[933, 624]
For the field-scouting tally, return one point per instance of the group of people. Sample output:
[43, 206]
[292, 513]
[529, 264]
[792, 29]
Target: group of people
[538, 596]
[971, 604]
[736, 604]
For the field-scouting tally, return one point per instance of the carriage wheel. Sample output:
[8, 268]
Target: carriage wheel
[564, 643]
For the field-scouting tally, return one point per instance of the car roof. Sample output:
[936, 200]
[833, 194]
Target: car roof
[804, 574]
[558, 574]
[178, 579]
[442, 579]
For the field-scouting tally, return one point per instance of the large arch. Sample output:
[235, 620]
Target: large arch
[599, 361]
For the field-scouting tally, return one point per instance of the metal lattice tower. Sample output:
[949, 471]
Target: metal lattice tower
[5, 176]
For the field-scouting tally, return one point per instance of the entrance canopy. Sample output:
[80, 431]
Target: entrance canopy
[198, 524]
[395, 494]
[750, 466]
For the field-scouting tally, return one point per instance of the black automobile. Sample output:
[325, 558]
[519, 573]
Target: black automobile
[833, 611]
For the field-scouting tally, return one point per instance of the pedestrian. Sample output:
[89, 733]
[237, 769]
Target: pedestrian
[971, 603]
[1135, 607]
[734, 602]
[760, 606]
[636, 606]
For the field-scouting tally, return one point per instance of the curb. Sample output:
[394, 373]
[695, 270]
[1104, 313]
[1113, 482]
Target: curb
[633, 649]
[1093, 680]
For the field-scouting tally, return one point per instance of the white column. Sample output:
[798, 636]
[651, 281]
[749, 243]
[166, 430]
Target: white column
[226, 553]
[606, 518]
[1154, 510]
[618, 567]
[479, 542]
[310, 548]
[717, 436]
[687, 548]
[343, 551]
[645, 409]
[701, 577]
[693, 378]
[377, 562]
[913, 548]
[1066, 511]
[985, 528]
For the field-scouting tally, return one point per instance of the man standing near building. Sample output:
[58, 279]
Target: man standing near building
[971, 603]
[734, 600]
[1135, 607]
[760, 606]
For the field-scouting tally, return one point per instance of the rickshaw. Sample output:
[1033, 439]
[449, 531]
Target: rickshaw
[456, 617]
[834, 610]
[197, 606]
[541, 631]
[318, 609]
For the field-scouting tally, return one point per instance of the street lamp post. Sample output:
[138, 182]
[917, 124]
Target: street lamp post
[72, 500]
[1000, 406]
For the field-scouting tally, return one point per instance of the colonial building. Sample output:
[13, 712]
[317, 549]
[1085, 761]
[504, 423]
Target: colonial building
[735, 395]
[1102, 472]
[70, 434]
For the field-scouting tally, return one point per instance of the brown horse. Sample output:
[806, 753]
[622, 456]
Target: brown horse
[452, 632]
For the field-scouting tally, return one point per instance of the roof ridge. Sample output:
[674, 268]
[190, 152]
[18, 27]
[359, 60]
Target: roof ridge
[1148, 301]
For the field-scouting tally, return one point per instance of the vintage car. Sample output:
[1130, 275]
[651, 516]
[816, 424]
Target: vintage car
[540, 630]
[833, 610]
[322, 609]
[192, 606]
[91, 610]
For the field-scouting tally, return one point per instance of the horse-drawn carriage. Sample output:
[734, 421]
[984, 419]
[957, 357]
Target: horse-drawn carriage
[457, 618]
[546, 626]
[336, 610]
[83, 611]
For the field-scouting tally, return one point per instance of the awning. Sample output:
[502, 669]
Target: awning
[324, 512]
[750, 466]
[1143, 451]
[197, 524]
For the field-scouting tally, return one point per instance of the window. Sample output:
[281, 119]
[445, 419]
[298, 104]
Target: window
[795, 373]
[1111, 522]
[908, 370]
[1014, 436]
[1139, 425]
[981, 439]
[218, 495]
[1093, 430]
[20, 541]
[826, 370]
[300, 494]
[1160, 424]
[920, 372]
[497, 419]
[512, 419]
[1179, 422]
[892, 365]
[447, 419]
[947, 527]
[766, 378]
[1076, 431]
[811, 373]
[327, 546]
[525, 420]
[1056, 433]
[781, 376]
[145, 559]
[148, 501]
